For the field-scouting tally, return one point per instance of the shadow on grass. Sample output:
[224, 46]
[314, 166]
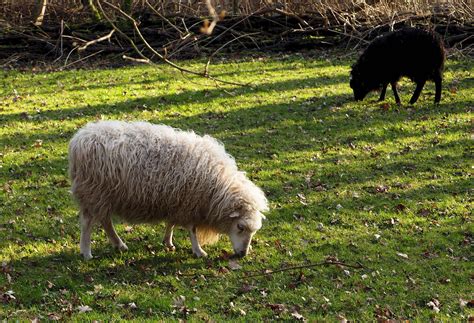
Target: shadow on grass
[58, 82]
[266, 116]
[109, 268]
[164, 102]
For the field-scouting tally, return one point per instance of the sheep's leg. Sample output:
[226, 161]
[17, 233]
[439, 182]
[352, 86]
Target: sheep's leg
[197, 250]
[395, 92]
[416, 94]
[438, 81]
[168, 239]
[382, 94]
[86, 231]
[112, 234]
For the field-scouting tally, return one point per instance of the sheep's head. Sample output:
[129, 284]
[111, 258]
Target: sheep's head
[242, 229]
[360, 87]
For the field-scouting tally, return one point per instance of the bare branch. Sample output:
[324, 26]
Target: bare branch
[137, 60]
[166, 19]
[154, 51]
[42, 4]
[95, 41]
[206, 70]
[208, 28]
[82, 59]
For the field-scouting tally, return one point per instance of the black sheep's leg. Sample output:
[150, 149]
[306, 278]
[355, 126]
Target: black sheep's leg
[416, 94]
[438, 81]
[382, 94]
[395, 93]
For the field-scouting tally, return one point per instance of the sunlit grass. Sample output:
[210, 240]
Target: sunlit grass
[348, 180]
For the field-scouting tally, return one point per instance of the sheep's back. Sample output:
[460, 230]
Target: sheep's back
[410, 52]
[145, 172]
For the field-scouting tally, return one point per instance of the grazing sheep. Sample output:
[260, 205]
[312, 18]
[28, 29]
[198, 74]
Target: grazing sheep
[148, 173]
[410, 52]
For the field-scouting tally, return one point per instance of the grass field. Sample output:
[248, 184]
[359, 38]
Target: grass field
[379, 185]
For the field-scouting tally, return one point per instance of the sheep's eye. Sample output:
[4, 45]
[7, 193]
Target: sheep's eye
[240, 227]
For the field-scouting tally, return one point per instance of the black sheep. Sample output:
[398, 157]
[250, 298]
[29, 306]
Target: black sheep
[411, 52]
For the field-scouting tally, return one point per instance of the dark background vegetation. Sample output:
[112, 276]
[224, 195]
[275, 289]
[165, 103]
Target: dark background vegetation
[55, 30]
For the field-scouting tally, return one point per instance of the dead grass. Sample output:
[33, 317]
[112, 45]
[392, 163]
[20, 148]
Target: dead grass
[351, 11]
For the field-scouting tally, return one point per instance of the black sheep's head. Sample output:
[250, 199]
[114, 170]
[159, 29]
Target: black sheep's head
[359, 86]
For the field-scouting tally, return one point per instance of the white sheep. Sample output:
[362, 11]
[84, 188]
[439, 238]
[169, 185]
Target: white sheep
[147, 173]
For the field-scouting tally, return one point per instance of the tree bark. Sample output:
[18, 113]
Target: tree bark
[40, 11]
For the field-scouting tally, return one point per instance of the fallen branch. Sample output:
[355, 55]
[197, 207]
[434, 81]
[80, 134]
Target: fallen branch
[323, 263]
[137, 60]
[268, 272]
[82, 59]
[95, 41]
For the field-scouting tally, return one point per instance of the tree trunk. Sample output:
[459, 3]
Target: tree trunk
[40, 11]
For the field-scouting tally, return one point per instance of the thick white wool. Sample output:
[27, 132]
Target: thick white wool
[149, 173]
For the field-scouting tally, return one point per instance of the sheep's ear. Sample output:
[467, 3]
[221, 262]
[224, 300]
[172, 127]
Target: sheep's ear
[234, 215]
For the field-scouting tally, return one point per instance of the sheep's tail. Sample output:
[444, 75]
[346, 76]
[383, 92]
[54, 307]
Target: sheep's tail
[207, 235]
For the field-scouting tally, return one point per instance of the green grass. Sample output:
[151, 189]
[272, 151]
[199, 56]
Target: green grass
[338, 174]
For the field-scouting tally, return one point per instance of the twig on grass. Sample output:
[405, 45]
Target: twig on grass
[268, 272]
[323, 263]
[82, 59]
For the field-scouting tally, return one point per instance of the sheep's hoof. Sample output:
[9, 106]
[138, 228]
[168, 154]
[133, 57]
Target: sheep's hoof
[87, 256]
[170, 248]
[122, 247]
[200, 254]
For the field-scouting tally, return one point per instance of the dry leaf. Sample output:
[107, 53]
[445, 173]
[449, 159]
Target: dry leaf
[84, 308]
[38, 143]
[297, 316]
[54, 317]
[385, 106]
[98, 288]
[179, 301]
[433, 305]
[8, 296]
[234, 265]
[402, 255]
[277, 308]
